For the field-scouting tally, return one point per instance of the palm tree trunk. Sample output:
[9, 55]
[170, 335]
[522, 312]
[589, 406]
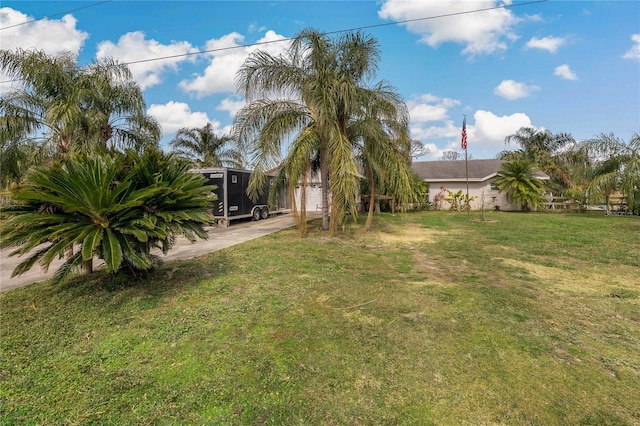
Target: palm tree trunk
[324, 179]
[87, 267]
[303, 206]
[292, 201]
[372, 197]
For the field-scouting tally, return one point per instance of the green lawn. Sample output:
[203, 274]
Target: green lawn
[432, 318]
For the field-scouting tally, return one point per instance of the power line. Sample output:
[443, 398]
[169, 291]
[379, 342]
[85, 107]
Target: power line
[220, 49]
[55, 14]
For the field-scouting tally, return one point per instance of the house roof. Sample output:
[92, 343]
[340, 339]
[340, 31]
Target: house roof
[452, 171]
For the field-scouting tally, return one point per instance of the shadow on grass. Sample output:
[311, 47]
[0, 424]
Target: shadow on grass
[167, 279]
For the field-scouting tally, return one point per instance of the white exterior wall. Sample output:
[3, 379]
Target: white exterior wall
[313, 197]
[492, 197]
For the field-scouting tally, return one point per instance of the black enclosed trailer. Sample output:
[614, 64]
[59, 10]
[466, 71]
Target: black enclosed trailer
[231, 191]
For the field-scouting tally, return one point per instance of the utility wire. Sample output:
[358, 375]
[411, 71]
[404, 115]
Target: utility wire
[55, 14]
[386, 24]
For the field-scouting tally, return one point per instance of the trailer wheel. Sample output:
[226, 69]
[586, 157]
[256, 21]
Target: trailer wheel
[264, 213]
[256, 214]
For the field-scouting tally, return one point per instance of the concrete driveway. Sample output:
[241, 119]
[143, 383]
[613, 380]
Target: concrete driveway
[219, 238]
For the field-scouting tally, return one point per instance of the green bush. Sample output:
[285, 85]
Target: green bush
[116, 209]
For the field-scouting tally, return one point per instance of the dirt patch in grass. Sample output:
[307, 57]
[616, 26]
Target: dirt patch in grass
[585, 281]
[411, 234]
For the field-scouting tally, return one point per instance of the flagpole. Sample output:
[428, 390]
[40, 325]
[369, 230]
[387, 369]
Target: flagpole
[466, 172]
[466, 159]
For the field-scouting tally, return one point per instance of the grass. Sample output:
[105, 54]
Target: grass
[432, 318]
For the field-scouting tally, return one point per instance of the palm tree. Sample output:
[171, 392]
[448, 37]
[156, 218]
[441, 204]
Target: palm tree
[580, 163]
[313, 97]
[114, 208]
[617, 168]
[384, 146]
[517, 178]
[541, 148]
[204, 148]
[74, 109]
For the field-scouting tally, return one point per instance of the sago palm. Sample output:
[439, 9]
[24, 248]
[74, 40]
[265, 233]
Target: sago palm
[115, 209]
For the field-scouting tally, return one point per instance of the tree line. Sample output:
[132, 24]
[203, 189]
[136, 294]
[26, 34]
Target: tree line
[589, 171]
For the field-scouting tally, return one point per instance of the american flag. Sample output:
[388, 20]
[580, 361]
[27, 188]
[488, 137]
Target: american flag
[464, 133]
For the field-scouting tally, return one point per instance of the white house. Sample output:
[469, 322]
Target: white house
[480, 174]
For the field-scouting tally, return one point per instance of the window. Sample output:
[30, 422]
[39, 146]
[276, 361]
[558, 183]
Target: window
[494, 186]
[234, 178]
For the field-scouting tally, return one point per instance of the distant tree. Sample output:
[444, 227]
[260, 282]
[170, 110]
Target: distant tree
[418, 149]
[74, 109]
[451, 156]
[542, 148]
[116, 208]
[517, 179]
[580, 163]
[16, 157]
[617, 168]
[204, 148]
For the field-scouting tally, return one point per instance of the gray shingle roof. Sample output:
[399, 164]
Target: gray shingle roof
[447, 171]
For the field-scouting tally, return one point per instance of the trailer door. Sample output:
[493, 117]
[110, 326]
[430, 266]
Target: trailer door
[235, 193]
[217, 178]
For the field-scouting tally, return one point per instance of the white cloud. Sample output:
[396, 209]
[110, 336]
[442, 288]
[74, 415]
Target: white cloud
[231, 105]
[219, 76]
[134, 47]
[490, 130]
[550, 44]
[50, 35]
[483, 32]
[435, 152]
[254, 27]
[485, 134]
[173, 116]
[510, 89]
[428, 107]
[634, 52]
[564, 71]
[447, 130]
[532, 18]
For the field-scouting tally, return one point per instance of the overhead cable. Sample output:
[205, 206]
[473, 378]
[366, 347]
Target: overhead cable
[55, 14]
[220, 49]
[260, 43]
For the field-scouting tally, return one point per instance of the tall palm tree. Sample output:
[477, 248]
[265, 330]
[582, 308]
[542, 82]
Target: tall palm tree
[312, 97]
[115, 110]
[384, 147]
[74, 109]
[204, 148]
[617, 168]
[517, 178]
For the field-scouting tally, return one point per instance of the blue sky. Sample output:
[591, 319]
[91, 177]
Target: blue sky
[566, 66]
